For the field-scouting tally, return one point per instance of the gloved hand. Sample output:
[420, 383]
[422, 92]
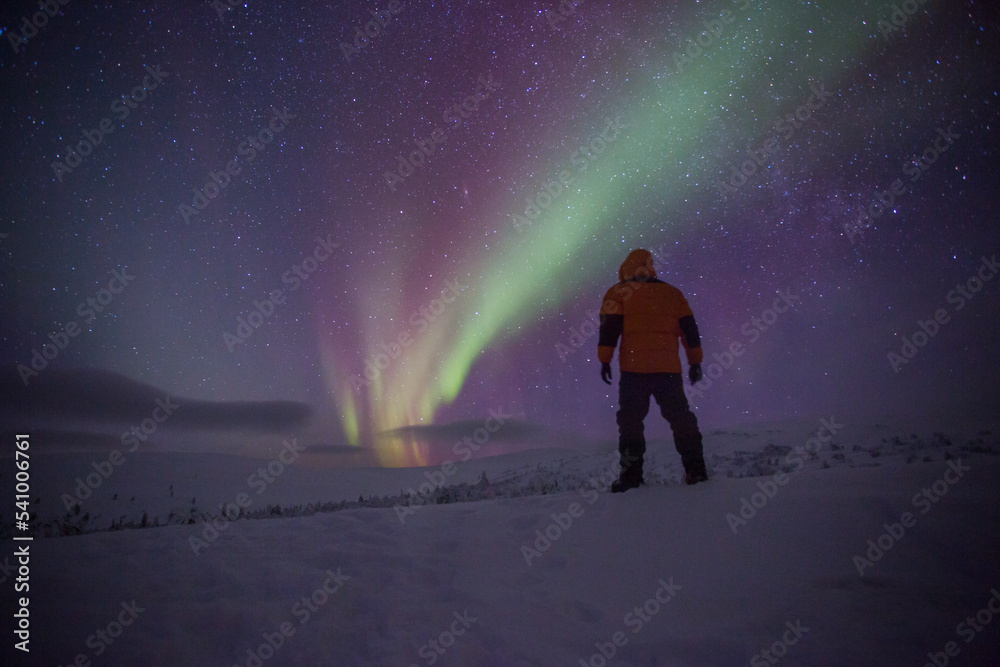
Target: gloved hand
[694, 374]
[606, 373]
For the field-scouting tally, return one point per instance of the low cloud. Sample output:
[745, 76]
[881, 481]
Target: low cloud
[81, 401]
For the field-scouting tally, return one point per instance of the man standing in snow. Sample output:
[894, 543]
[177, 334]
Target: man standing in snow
[649, 316]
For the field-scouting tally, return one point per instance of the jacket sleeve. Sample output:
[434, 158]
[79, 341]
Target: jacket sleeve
[689, 334]
[691, 340]
[612, 323]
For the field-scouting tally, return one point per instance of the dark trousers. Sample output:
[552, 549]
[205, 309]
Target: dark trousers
[634, 390]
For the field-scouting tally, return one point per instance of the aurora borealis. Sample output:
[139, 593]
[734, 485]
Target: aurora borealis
[402, 214]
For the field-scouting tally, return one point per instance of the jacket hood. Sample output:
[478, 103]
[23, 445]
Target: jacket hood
[638, 264]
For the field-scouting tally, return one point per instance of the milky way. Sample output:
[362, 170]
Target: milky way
[407, 213]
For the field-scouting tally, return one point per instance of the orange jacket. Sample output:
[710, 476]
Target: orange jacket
[650, 316]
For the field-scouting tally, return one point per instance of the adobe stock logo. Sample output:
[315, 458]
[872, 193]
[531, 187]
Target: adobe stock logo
[29, 29]
[695, 47]
[247, 150]
[635, 620]
[553, 189]
[86, 309]
[959, 297]
[435, 648]
[924, 500]
[383, 355]
[373, 30]
[566, 9]
[914, 168]
[454, 115]
[786, 127]
[752, 329]
[779, 649]
[263, 309]
[901, 14]
[91, 139]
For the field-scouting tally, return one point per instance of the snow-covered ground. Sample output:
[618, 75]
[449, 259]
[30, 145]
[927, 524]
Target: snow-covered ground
[870, 547]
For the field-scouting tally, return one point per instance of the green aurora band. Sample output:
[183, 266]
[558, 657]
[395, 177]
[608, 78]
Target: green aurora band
[665, 151]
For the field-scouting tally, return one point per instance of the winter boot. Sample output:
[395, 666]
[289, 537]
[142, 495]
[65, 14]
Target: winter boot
[624, 483]
[696, 473]
[629, 478]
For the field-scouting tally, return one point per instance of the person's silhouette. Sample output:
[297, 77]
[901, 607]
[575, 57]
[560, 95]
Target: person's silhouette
[650, 316]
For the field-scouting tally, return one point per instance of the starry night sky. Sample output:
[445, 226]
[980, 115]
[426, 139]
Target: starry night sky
[623, 122]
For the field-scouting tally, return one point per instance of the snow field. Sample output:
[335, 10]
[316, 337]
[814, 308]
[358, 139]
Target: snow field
[866, 549]
[718, 598]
